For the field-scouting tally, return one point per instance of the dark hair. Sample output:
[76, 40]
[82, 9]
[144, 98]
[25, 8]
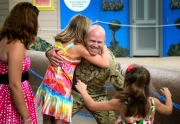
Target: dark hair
[76, 29]
[21, 24]
[136, 91]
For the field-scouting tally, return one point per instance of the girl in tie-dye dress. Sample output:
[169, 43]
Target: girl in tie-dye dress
[54, 95]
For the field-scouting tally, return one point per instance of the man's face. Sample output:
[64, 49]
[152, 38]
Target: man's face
[94, 42]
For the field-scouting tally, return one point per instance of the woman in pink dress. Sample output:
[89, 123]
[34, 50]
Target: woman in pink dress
[17, 105]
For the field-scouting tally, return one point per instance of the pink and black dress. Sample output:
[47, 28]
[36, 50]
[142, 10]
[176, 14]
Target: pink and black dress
[8, 111]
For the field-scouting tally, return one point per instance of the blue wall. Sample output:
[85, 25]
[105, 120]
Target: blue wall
[94, 13]
[122, 35]
[171, 34]
[66, 13]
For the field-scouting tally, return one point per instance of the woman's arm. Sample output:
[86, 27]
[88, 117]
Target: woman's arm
[93, 105]
[102, 60]
[15, 57]
[168, 106]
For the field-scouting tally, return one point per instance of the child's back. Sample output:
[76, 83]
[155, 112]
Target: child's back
[54, 94]
[134, 103]
[137, 120]
[57, 83]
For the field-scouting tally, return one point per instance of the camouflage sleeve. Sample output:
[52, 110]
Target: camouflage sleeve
[116, 74]
[117, 77]
[49, 48]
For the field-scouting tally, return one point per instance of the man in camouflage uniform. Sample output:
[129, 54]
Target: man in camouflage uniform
[95, 77]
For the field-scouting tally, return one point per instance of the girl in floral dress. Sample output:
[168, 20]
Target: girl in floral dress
[134, 103]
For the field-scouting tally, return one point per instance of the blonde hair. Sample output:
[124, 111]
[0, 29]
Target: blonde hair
[76, 30]
[21, 24]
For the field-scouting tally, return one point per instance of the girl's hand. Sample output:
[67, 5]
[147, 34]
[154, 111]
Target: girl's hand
[165, 91]
[80, 86]
[29, 122]
[118, 121]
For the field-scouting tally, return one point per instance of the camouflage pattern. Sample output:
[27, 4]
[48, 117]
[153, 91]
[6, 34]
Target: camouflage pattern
[95, 78]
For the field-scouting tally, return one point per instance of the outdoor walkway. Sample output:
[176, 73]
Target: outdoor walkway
[171, 63]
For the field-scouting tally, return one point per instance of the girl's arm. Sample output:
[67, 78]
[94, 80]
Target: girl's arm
[102, 60]
[15, 57]
[93, 105]
[168, 106]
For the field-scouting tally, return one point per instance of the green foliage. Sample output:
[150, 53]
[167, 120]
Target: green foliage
[114, 43]
[174, 50]
[114, 25]
[41, 45]
[114, 6]
[177, 21]
[175, 4]
[118, 51]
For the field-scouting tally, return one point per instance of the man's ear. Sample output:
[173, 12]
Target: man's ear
[104, 40]
[85, 38]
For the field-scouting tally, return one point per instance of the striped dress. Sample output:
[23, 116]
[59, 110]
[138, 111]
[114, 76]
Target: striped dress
[54, 95]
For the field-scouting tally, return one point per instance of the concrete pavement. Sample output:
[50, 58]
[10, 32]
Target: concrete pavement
[171, 63]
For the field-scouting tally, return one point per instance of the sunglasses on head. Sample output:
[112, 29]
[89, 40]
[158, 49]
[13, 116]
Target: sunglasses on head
[36, 10]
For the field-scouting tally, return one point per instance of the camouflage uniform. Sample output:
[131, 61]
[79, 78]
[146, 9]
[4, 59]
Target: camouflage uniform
[95, 78]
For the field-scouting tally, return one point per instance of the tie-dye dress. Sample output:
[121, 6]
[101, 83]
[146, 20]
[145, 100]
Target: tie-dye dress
[54, 95]
[8, 111]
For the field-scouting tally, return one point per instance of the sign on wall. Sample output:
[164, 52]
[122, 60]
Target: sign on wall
[44, 4]
[77, 5]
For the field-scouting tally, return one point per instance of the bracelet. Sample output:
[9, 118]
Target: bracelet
[27, 120]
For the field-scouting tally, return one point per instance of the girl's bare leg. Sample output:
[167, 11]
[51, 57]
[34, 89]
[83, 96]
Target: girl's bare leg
[48, 119]
[61, 122]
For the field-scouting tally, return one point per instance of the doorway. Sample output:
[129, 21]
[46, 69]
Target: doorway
[145, 32]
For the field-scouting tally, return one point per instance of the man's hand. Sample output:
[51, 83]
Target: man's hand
[53, 57]
[80, 86]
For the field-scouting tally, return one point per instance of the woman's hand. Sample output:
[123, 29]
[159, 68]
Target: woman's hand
[28, 121]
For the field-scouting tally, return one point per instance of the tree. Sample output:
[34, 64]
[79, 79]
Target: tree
[118, 51]
[114, 25]
[177, 22]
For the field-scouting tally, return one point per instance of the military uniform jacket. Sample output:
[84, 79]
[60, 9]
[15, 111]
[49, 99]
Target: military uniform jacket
[96, 77]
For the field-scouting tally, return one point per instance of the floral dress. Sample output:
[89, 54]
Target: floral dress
[149, 120]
